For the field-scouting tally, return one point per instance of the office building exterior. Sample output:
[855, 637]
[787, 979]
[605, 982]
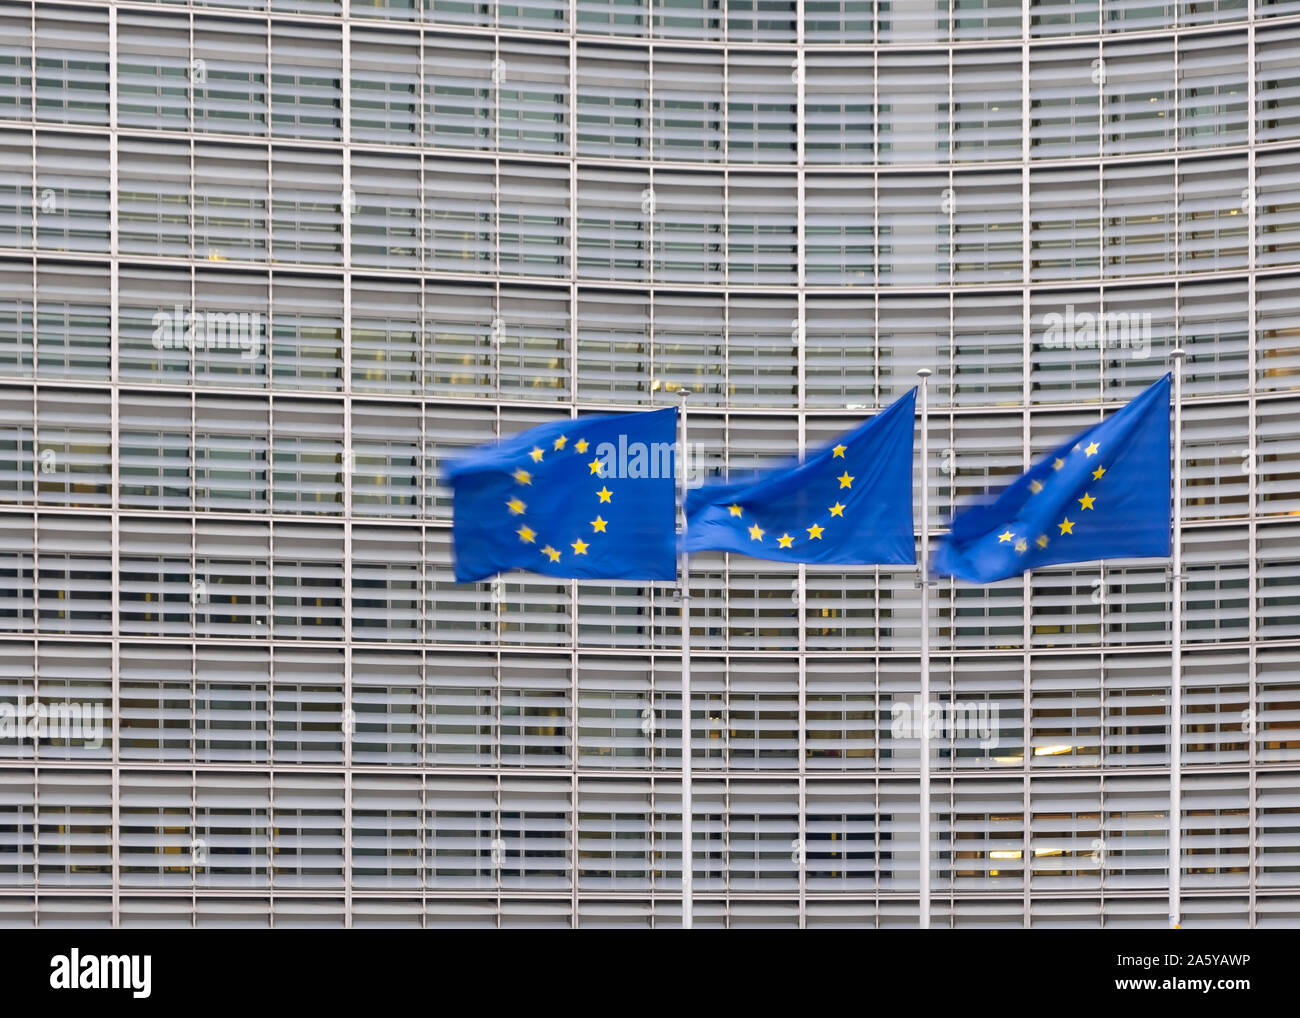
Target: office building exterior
[266, 264]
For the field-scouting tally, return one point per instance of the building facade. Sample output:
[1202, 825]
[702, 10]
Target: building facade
[265, 264]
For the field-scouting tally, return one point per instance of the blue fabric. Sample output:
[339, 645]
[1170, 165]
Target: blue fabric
[1103, 494]
[849, 503]
[592, 498]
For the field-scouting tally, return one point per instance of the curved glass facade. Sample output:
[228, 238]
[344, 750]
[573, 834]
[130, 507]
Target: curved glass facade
[265, 265]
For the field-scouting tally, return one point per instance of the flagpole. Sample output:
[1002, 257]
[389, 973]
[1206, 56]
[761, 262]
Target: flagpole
[684, 581]
[924, 864]
[1176, 661]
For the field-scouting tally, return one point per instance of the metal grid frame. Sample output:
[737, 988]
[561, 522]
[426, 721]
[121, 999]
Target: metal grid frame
[883, 907]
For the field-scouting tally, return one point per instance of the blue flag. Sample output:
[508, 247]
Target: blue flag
[591, 498]
[850, 503]
[1103, 494]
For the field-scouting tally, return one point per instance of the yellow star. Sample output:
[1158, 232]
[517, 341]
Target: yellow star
[523, 477]
[516, 506]
[536, 454]
[845, 480]
[1087, 500]
[604, 494]
[838, 451]
[581, 445]
[580, 547]
[1005, 537]
[1042, 541]
[526, 534]
[1098, 473]
[785, 540]
[815, 532]
[598, 525]
[1057, 464]
[1022, 545]
[596, 467]
[756, 533]
[559, 442]
[1067, 526]
[1035, 486]
[551, 553]
[735, 510]
[837, 510]
[1091, 450]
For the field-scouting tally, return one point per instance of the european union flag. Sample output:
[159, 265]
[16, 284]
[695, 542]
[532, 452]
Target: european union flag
[849, 503]
[591, 498]
[1103, 494]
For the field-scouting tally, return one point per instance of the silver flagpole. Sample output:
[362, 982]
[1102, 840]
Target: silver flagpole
[684, 579]
[924, 863]
[1176, 661]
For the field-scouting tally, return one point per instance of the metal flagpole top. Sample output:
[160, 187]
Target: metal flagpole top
[1178, 353]
[924, 372]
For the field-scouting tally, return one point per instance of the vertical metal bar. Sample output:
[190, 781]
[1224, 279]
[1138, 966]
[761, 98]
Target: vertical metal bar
[1176, 659]
[115, 447]
[924, 809]
[801, 369]
[1252, 473]
[1026, 399]
[574, 697]
[349, 463]
[684, 579]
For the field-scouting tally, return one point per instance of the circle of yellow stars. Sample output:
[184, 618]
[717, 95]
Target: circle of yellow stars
[523, 478]
[785, 540]
[1020, 543]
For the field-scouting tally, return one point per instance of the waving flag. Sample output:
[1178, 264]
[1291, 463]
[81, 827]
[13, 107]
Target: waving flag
[1103, 494]
[850, 503]
[591, 498]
